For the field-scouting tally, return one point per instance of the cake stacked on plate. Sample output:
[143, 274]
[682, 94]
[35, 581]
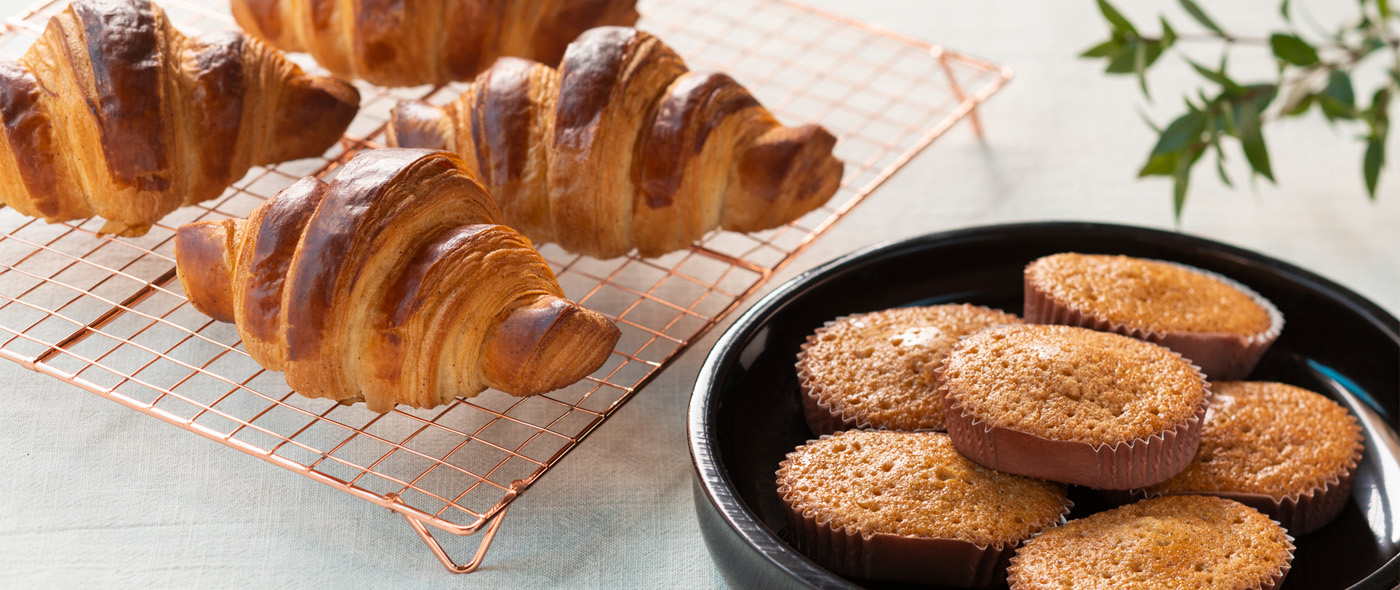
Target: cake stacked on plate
[1116, 379]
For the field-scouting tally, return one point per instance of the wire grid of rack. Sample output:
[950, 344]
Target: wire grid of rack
[108, 314]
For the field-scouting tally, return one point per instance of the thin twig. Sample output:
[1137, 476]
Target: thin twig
[1225, 38]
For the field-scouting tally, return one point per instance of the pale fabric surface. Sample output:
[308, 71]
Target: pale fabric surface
[99, 496]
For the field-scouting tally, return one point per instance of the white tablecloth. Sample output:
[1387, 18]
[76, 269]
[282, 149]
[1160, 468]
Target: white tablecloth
[98, 495]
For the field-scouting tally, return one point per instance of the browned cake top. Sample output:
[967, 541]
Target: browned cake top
[915, 484]
[1269, 438]
[879, 366]
[1072, 384]
[1170, 543]
[1147, 294]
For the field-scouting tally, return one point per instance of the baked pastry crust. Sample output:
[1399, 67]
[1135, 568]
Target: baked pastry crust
[412, 42]
[623, 147]
[392, 284]
[114, 113]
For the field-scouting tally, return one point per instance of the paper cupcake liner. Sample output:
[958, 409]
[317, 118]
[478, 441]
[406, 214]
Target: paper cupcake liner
[1221, 356]
[1122, 465]
[1299, 513]
[896, 558]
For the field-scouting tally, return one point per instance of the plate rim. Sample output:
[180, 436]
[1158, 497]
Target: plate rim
[726, 503]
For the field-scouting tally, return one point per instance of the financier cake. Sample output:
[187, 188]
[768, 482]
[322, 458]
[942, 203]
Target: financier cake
[1220, 325]
[1171, 543]
[875, 370]
[905, 506]
[1286, 451]
[1072, 405]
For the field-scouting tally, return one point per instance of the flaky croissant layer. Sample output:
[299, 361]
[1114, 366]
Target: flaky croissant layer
[623, 147]
[412, 42]
[393, 284]
[114, 113]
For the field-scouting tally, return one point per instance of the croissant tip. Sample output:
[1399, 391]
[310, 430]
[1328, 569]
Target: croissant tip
[201, 257]
[344, 92]
[416, 124]
[547, 345]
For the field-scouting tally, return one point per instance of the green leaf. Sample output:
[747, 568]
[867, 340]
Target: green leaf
[1140, 68]
[1300, 93]
[1146, 55]
[1283, 11]
[1218, 77]
[1125, 62]
[1255, 97]
[1148, 120]
[1220, 165]
[1116, 19]
[1339, 87]
[1384, 6]
[1108, 48]
[1338, 101]
[1182, 175]
[1201, 17]
[1181, 133]
[1378, 116]
[1168, 33]
[1227, 121]
[1261, 95]
[1252, 138]
[1380, 105]
[1300, 107]
[1159, 165]
[1372, 164]
[1292, 49]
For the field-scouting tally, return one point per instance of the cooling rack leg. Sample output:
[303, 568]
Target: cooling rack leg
[957, 90]
[442, 554]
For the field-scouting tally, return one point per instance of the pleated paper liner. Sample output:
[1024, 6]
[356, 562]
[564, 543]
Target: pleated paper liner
[881, 556]
[1220, 355]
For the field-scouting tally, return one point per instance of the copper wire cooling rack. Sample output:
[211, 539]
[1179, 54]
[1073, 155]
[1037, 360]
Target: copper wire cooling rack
[108, 314]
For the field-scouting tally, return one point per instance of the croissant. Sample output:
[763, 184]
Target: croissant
[114, 113]
[411, 42]
[392, 284]
[623, 147]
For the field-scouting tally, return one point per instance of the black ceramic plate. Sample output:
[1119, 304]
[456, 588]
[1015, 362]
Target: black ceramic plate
[745, 415]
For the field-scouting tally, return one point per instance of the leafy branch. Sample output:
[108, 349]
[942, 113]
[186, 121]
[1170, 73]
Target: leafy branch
[1314, 73]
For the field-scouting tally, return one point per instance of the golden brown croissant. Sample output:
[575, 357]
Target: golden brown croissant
[114, 113]
[622, 147]
[411, 42]
[391, 284]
